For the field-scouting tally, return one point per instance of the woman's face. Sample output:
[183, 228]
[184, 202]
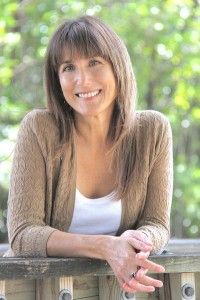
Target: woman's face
[88, 84]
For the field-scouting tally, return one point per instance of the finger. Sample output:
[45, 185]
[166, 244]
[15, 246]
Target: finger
[139, 245]
[143, 255]
[147, 280]
[147, 264]
[139, 287]
[127, 288]
[140, 272]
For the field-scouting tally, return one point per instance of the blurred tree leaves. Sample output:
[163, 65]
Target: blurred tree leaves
[164, 44]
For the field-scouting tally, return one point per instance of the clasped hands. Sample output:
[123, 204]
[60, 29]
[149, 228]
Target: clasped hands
[128, 258]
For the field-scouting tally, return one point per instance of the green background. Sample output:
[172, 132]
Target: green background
[163, 39]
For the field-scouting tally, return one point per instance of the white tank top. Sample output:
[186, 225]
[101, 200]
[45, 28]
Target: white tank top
[96, 216]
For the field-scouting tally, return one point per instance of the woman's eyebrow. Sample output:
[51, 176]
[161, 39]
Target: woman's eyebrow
[66, 62]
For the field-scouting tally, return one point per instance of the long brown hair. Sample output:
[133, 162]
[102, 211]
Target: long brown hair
[89, 36]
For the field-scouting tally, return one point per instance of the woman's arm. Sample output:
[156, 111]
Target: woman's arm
[27, 231]
[155, 220]
[119, 252]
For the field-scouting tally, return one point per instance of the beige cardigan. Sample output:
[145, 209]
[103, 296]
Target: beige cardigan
[42, 189]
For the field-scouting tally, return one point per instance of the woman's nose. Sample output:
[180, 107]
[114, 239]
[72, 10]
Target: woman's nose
[83, 77]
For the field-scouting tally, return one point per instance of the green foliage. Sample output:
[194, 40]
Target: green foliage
[163, 41]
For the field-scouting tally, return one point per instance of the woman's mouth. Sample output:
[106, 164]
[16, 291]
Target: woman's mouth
[88, 94]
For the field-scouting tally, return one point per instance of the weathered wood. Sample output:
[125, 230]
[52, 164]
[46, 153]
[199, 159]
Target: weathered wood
[179, 263]
[2, 290]
[109, 288]
[85, 287]
[20, 289]
[38, 268]
[197, 285]
[66, 288]
[47, 289]
[184, 246]
[188, 286]
[175, 287]
[43, 278]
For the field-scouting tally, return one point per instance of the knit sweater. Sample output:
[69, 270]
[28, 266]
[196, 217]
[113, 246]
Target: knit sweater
[42, 188]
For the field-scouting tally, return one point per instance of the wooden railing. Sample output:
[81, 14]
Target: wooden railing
[89, 279]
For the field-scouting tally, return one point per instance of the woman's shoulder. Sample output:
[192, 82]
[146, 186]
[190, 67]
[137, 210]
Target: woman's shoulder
[151, 117]
[152, 126]
[40, 120]
[39, 116]
[152, 121]
[42, 123]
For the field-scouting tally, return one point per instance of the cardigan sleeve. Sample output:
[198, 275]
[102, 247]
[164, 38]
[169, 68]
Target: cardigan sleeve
[27, 231]
[155, 219]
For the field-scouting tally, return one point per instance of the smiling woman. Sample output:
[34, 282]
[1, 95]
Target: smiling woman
[88, 85]
[91, 175]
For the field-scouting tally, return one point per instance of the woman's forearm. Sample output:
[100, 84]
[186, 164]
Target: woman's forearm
[65, 244]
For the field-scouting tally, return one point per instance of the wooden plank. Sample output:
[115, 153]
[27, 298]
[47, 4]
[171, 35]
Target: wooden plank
[90, 298]
[184, 246]
[85, 287]
[37, 268]
[188, 286]
[2, 290]
[197, 285]
[175, 286]
[47, 289]
[109, 288]
[20, 289]
[66, 288]
[178, 263]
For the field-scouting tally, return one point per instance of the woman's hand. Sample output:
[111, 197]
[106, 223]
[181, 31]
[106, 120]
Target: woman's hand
[140, 275]
[138, 235]
[141, 282]
[126, 255]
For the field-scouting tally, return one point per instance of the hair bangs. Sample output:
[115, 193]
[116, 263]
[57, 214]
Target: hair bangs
[80, 41]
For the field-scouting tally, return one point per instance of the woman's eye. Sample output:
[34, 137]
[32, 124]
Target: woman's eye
[69, 68]
[94, 62]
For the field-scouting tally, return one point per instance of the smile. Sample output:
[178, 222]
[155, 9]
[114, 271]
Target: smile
[88, 95]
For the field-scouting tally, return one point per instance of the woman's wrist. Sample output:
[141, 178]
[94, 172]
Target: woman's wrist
[105, 246]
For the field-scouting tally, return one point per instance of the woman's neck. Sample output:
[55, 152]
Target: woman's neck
[92, 130]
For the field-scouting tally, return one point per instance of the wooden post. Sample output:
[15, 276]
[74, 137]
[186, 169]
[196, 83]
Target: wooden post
[46, 289]
[188, 286]
[66, 288]
[110, 289]
[2, 290]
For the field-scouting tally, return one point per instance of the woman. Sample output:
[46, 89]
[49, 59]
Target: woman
[91, 176]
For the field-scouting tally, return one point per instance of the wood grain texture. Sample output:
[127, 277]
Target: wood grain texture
[38, 268]
[85, 287]
[47, 289]
[2, 289]
[109, 288]
[20, 289]
[197, 285]
[66, 284]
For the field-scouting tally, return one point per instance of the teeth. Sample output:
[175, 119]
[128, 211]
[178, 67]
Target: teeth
[87, 95]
